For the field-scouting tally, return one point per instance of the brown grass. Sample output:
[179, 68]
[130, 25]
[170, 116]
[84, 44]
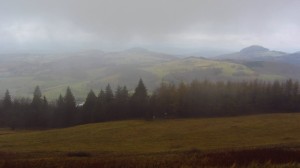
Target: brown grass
[250, 141]
[263, 157]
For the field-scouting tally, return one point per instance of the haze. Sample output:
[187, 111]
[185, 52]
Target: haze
[168, 26]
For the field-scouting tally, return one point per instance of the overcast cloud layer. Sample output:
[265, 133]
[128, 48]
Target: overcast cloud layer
[156, 24]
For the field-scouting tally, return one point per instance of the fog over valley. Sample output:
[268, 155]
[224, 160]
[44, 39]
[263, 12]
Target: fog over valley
[86, 45]
[209, 27]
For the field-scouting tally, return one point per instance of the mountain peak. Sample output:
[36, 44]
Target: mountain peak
[254, 48]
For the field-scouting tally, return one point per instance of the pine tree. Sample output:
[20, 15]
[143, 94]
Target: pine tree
[37, 113]
[58, 118]
[37, 99]
[6, 111]
[90, 100]
[69, 100]
[89, 107]
[140, 91]
[121, 95]
[121, 103]
[101, 97]
[109, 96]
[69, 107]
[99, 108]
[181, 104]
[60, 101]
[139, 101]
[118, 94]
[125, 94]
[108, 103]
[7, 102]
[166, 102]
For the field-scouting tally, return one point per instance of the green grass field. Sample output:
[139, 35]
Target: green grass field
[163, 137]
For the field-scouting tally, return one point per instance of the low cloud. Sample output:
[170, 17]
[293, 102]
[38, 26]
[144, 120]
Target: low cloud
[113, 25]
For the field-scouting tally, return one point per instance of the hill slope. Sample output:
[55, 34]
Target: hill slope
[276, 68]
[94, 69]
[253, 53]
[161, 136]
[293, 58]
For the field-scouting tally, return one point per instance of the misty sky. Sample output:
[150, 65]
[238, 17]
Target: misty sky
[164, 25]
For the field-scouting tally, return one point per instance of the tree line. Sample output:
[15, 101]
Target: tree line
[196, 99]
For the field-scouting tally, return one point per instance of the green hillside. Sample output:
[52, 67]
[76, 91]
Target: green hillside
[204, 67]
[160, 136]
[94, 70]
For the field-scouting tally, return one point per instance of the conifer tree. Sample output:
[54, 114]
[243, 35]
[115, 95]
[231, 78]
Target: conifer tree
[60, 101]
[125, 95]
[120, 109]
[69, 100]
[140, 91]
[89, 107]
[108, 94]
[90, 100]
[59, 112]
[99, 108]
[118, 94]
[7, 102]
[69, 107]
[6, 112]
[101, 97]
[139, 101]
[35, 118]
[108, 103]
[37, 99]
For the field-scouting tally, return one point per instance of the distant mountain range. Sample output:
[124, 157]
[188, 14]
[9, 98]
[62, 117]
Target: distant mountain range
[254, 53]
[293, 58]
[94, 69]
[259, 53]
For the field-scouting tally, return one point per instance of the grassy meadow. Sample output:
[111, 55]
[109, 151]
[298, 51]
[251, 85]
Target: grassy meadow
[162, 141]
